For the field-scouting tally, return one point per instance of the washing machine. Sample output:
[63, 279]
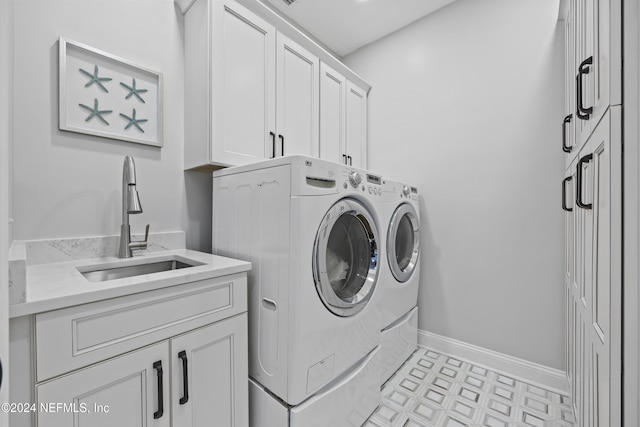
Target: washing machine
[311, 229]
[397, 298]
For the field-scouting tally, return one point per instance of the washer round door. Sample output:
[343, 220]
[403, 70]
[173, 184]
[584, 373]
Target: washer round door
[345, 258]
[403, 242]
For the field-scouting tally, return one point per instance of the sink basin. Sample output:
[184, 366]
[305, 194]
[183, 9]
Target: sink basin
[103, 274]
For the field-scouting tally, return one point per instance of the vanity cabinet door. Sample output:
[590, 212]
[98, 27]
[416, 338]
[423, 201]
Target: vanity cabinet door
[131, 390]
[209, 375]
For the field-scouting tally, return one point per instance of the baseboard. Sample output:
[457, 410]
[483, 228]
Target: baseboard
[549, 378]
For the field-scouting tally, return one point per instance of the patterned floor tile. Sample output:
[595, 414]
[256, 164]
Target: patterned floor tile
[439, 390]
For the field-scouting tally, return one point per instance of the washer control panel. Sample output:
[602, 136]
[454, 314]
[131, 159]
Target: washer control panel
[367, 183]
[355, 179]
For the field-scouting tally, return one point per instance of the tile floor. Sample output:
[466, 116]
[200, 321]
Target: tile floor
[437, 390]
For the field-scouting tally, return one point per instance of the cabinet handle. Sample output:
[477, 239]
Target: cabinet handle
[582, 112]
[273, 145]
[185, 375]
[565, 147]
[350, 160]
[564, 194]
[281, 144]
[158, 367]
[579, 200]
[344, 159]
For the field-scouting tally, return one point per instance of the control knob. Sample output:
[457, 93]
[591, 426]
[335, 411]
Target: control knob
[406, 190]
[355, 179]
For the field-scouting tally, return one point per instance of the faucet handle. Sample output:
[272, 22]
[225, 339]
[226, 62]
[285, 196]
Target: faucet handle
[141, 244]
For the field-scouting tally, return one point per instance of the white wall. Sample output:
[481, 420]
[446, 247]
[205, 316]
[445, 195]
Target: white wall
[466, 105]
[68, 184]
[6, 31]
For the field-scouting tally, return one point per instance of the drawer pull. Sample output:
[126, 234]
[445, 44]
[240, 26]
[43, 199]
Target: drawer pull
[158, 367]
[273, 145]
[565, 147]
[582, 112]
[564, 194]
[579, 201]
[185, 377]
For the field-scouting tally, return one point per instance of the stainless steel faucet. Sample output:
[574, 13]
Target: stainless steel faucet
[130, 205]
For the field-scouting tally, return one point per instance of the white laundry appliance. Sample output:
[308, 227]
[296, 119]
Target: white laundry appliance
[397, 298]
[311, 229]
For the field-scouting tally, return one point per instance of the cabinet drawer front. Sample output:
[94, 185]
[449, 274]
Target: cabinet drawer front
[74, 337]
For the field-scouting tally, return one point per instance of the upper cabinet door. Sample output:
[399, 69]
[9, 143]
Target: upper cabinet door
[243, 85]
[229, 84]
[298, 93]
[356, 125]
[332, 114]
[597, 62]
[569, 117]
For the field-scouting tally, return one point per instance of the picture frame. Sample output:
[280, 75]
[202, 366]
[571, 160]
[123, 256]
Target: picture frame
[104, 95]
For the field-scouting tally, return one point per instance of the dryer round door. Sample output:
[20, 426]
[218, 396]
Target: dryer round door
[345, 258]
[403, 242]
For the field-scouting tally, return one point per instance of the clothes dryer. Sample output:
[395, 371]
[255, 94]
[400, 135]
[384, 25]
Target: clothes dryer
[397, 298]
[311, 229]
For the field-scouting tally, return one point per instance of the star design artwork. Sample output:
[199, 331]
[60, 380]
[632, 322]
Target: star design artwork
[96, 112]
[133, 91]
[94, 78]
[133, 121]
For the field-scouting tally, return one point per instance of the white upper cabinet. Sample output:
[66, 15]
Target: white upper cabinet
[597, 67]
[230, 84]
[343, 119]
[252, 92]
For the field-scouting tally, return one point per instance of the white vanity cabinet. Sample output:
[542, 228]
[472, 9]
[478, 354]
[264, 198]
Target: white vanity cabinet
[174, 356]
[343, 119]
[252, 92]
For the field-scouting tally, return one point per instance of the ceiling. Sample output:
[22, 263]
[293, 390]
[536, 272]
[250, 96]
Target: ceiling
[346, 25]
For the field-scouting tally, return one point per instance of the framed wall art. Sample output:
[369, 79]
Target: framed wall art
[103, 95]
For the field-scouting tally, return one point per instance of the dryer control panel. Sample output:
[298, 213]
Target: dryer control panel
[410, 193]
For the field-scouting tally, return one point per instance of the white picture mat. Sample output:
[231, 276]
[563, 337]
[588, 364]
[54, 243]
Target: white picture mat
[73, 92]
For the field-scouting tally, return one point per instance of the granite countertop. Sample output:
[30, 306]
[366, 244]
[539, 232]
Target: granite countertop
[58, 285]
